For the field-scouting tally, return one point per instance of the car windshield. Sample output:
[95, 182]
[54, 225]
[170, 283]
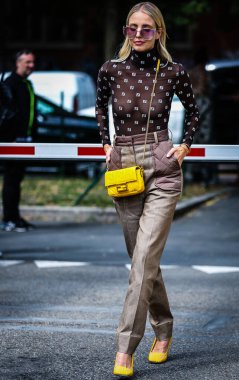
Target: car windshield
[47, 108]
[44, 108]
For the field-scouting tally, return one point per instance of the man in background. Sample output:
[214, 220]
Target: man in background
[19, 128]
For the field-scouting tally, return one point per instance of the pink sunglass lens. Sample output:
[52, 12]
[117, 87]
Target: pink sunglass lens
[131, 33]
[147, 34]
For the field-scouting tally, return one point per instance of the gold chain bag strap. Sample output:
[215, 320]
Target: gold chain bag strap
[129, 181]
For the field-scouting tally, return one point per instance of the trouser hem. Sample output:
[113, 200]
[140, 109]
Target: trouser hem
[164, 331]
[128, 344]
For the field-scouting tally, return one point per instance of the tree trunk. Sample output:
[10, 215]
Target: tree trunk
[110, 29]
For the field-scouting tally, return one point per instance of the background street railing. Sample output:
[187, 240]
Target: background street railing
[95, 152]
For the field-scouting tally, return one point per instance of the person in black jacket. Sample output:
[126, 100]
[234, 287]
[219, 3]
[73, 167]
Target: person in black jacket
[19, 128]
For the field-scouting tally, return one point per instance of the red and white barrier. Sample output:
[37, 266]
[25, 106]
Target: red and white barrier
[95, 152]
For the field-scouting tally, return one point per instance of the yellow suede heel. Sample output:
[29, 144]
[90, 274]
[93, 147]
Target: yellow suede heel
[124, 371]
[159, 357]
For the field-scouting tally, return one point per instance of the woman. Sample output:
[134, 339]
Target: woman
[146, 217]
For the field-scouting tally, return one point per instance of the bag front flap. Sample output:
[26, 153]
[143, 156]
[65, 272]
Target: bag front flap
[120, 176]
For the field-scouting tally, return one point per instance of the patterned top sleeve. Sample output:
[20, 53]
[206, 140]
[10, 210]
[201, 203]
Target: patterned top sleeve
[102, 100]
[185, 93]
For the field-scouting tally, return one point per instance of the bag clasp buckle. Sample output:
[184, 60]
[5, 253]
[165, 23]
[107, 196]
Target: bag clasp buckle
[121, 188]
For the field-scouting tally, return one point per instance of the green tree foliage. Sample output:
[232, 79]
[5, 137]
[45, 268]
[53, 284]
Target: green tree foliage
[190, 11]
[226, 12]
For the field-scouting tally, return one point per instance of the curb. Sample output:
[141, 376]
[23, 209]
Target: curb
[82, 214]
[184, 207]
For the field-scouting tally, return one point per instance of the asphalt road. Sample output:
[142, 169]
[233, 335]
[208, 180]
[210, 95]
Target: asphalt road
[62, 289]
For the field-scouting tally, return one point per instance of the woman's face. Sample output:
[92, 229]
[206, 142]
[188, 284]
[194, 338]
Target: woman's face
[141, 20]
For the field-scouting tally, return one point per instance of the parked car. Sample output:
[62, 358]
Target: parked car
[56, 125]
[72, 90]
[224, 90]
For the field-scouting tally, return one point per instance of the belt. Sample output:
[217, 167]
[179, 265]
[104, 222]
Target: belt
[153, 137]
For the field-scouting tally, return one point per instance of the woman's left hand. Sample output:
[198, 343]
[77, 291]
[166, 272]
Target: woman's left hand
[179, 153]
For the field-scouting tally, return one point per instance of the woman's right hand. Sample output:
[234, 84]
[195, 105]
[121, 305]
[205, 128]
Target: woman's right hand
[107, 149]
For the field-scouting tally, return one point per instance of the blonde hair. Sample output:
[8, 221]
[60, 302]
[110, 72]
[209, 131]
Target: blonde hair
[151, 10]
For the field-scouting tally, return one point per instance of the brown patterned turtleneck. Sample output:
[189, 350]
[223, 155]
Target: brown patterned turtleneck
[130, 83]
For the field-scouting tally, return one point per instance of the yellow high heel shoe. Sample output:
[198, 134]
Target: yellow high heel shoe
[159, 357]
[120, 370]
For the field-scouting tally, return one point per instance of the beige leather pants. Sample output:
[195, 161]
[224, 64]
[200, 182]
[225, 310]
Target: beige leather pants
[146, 219]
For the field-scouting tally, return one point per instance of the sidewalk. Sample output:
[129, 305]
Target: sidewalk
[81, 214]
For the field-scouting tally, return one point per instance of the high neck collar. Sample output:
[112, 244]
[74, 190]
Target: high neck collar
[144, 59]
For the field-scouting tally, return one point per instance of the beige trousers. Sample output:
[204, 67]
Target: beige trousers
[146, 219]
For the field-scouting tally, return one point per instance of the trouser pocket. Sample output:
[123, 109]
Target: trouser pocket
[115, 159]
[167, 170]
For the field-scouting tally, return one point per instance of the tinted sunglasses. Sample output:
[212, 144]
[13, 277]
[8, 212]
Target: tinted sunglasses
[145, 33]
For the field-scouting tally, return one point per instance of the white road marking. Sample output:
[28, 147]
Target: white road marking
[203, 268]
[6, 263]
[128, 266]
[58, 264]
[209, 269]
[215, 269]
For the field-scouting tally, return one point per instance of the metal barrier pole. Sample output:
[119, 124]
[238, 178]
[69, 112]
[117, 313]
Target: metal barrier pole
[93, 184]
[95, 152]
